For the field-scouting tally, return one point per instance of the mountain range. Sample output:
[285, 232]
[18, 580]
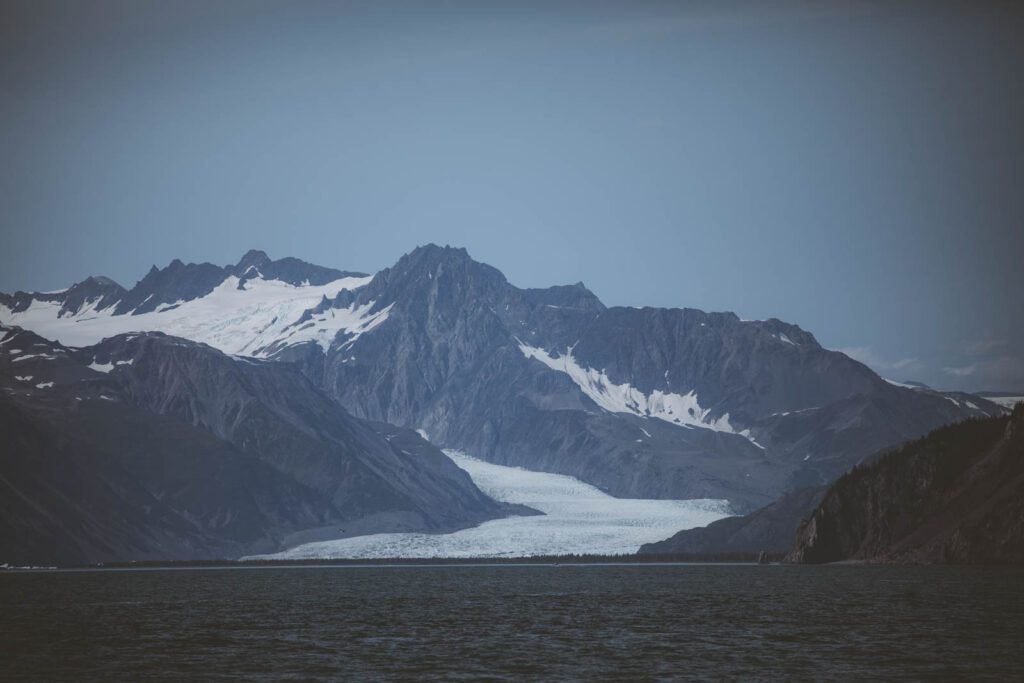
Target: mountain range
[346, 384]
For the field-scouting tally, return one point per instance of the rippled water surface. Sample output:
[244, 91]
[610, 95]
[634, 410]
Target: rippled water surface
[514, 622]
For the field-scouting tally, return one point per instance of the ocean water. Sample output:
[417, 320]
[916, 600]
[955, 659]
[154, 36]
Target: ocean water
[507, 622]
[578, 519]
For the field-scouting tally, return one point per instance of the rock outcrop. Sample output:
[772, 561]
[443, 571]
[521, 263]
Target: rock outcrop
[956, 495]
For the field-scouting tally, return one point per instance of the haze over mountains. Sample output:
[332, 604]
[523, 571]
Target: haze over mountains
[295, 370]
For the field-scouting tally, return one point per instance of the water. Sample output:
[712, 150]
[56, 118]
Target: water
[514, 622]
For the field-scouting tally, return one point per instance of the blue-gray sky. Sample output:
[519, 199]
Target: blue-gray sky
[853, 167]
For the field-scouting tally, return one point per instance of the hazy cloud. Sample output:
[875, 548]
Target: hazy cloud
[983, 347]
[961, 372]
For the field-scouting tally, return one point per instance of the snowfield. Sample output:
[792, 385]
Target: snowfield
[253, 321]
[578, 518]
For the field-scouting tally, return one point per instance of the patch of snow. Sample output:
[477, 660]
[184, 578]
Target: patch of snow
[795, 412]
[746, 434]
[44, 385]
[901, 384]
[23, 378]
[679, 409]
[101, 367]
[14, 352]
[423, 433]
[578, 518]
[33, 355]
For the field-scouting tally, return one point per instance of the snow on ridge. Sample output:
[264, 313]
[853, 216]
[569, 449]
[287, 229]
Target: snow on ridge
[322, 328]
[901, 384]
[236, 321]
[781, 336]
[678, 409]
[33, 355]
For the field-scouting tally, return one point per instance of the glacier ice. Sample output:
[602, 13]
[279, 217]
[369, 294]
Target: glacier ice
[578, 518]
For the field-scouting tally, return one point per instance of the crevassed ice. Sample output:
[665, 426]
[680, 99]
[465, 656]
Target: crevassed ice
[236, 321]
[679, 409]
[578, 518]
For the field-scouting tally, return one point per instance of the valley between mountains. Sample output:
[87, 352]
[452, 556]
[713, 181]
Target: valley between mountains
[267, 405]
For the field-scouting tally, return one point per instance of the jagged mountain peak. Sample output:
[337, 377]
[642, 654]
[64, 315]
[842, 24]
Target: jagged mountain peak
[253, 257]
[432, 275]
[431, 256]
[431, 249]
[101, 280]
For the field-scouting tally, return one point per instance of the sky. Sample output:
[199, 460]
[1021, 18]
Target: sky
[851, 167]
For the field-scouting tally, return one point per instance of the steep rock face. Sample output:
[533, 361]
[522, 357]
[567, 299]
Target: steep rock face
[272, 411]
[956, 495]
[771, 529]
[151, 447]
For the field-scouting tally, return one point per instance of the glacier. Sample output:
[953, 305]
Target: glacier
[578, 519]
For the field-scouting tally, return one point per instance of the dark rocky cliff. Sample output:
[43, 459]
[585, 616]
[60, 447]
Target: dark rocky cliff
[956, 495]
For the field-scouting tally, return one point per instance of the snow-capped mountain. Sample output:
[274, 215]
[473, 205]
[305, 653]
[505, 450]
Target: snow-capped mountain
[640, 402]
